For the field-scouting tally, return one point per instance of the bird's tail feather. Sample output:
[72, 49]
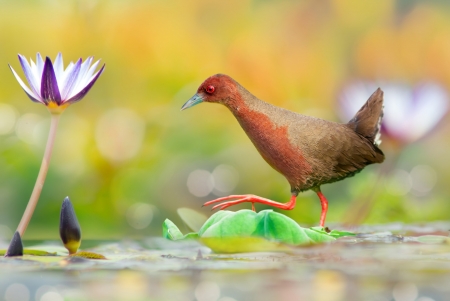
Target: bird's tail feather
[367, 121]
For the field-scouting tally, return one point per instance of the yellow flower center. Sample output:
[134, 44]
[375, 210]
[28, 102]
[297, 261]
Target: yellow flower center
[54, 108]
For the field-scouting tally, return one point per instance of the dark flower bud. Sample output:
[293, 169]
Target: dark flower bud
[69, 228]
[15, 247]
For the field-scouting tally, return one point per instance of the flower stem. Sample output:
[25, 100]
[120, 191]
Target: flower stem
[41, 176]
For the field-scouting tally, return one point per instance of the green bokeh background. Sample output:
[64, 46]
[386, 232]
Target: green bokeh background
[295, 54]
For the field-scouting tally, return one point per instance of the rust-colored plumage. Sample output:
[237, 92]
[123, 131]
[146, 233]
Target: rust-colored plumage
[308, 151]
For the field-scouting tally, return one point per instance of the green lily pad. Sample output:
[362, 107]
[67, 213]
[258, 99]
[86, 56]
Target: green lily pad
[244, 230]
[171, 231]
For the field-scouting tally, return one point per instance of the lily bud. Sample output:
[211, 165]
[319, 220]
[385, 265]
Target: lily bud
[69, 228]
[15, 247]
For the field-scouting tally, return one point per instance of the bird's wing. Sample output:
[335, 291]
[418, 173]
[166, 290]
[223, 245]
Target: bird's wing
[333, 150]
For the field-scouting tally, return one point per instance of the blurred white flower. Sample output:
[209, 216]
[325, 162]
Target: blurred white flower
[410, 112]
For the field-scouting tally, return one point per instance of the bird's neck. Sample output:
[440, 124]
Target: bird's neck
[242, 103]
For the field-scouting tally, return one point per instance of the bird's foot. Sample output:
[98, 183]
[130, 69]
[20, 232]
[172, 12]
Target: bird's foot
[249, 198]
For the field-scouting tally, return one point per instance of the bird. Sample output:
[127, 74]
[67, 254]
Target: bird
[309, 152]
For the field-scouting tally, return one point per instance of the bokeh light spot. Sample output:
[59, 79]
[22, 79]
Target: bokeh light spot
[42, 290]
[329, 285]
[27, 128]
[200, 183]
[119, 134]
[139, 215]
[225, 178]
[423, 178]
[207, 291]
[5, 232]
[52, 296]
[405, 292]
[8, 118]
[399, 183]
[425, 299]
[17, 292]
[79, 131]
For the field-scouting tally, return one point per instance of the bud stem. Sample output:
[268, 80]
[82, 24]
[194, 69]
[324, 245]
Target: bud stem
[41, 176]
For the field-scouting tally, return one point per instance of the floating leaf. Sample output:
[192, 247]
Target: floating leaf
[248, 231]
[193, 219]
[267, 224]
[32, 252]
[191, 235]
[171, 231]
[243, 245]
[338, 234]
[39, 253]
[88, 255]
[432, 239]
[333, 233]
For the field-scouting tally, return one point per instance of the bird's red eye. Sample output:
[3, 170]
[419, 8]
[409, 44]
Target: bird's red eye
[210, 89]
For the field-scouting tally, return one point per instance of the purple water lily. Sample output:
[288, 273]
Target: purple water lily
[57, 88]
[410, 113]
[54, 86]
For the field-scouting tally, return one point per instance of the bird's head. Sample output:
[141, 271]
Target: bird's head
[218, 88]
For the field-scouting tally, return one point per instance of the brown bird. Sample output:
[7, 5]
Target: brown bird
[308, 151]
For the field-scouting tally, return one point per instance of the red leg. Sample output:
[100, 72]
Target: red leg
[251, 199]
[324, 203]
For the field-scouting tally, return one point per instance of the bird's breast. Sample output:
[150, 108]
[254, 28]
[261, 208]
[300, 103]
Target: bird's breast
[271, 139]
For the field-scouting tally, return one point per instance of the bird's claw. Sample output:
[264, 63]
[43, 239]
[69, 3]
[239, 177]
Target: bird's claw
[232, 200]
[224, 205]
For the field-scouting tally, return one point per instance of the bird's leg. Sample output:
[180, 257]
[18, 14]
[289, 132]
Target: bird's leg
[324, 203]
[252, 199]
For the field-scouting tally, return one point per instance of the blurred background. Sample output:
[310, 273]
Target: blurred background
[128, 157]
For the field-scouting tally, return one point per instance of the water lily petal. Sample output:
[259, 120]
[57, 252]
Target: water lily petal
[36, 76]
[49, 85]
[30, 94]
[66, 72]
[59, 70]
[84, 80]
[398, 108]
[70, 80]
[81, 81]
[69, 67]
[430, 106]
[410, 113]
[90, 72]
[39, 64]
[352, 98]
[29, 75]
[86, 89]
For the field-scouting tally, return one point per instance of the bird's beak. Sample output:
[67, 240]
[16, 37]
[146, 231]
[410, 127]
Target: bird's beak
[196, 99]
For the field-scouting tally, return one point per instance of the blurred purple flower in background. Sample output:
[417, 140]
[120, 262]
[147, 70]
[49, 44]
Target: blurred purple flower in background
[55, 87]
[410, 112]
